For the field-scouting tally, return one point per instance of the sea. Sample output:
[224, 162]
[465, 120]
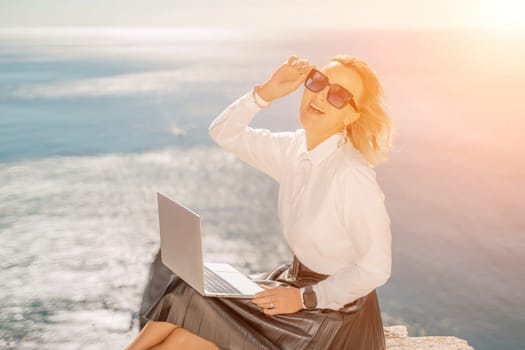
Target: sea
[94, 121]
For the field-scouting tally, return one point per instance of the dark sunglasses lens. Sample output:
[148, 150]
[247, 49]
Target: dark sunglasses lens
[337, 97]
[315, 81]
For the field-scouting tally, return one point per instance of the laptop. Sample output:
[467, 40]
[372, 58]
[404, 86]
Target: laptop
[181, 252]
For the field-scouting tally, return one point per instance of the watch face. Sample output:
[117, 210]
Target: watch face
[309, 297]
[309, 302]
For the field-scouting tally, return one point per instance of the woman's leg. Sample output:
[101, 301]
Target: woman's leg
[152, 334]
[183, 339]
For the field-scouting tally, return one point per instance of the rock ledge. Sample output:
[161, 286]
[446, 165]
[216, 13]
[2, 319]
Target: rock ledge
[397, 339]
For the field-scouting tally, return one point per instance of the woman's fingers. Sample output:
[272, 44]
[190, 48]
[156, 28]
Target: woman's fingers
[292, 59]
[303, 66]
[267, 304]
[296, 62]
[263, 300]
[300, 64]
[272, 311]
[266, 296]
[309, 68]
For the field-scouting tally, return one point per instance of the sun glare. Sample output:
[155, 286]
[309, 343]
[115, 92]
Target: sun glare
[506, 15]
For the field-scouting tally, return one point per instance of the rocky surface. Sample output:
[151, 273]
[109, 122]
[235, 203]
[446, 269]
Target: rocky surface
[397, 339]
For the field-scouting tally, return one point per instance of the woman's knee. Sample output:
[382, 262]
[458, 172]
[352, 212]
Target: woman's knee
[181, 338]
[175, 339]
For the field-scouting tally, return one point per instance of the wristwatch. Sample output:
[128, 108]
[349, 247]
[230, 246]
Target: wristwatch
[309, 297]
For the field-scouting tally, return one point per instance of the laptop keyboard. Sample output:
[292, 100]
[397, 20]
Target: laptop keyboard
[216, 284]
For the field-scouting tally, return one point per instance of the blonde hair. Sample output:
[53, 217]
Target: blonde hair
[371, 133]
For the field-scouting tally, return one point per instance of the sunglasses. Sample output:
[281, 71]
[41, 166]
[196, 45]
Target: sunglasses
[338, 96]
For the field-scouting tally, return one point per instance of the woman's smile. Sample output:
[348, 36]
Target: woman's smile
[315, 109]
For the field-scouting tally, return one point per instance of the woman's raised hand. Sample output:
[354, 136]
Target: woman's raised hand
[285, 79]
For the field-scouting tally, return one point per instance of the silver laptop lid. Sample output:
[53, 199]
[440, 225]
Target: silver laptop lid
[180, 241]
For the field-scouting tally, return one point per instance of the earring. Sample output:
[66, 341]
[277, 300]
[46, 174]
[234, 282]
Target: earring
[345, 137]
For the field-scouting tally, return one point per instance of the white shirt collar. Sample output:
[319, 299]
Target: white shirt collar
[322, 150]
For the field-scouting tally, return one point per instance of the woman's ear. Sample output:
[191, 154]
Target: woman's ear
[351, 118]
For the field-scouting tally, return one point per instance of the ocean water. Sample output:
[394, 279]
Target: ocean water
[93, 122]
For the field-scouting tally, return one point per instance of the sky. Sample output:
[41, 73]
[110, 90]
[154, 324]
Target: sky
[270, 14]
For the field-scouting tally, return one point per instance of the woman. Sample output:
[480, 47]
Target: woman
[332, 213]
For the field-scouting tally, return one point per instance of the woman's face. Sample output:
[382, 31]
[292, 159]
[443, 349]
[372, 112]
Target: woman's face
[333, 119]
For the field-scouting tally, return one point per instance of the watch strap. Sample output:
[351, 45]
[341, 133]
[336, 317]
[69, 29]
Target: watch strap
[302, 299]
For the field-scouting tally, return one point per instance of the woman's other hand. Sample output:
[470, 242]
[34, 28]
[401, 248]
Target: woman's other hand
[285, 300]
[285, 79]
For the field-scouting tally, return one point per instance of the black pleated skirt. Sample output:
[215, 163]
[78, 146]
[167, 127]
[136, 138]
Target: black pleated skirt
[239, 324]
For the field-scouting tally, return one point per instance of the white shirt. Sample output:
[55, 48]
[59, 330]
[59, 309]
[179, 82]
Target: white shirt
[331, 209]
